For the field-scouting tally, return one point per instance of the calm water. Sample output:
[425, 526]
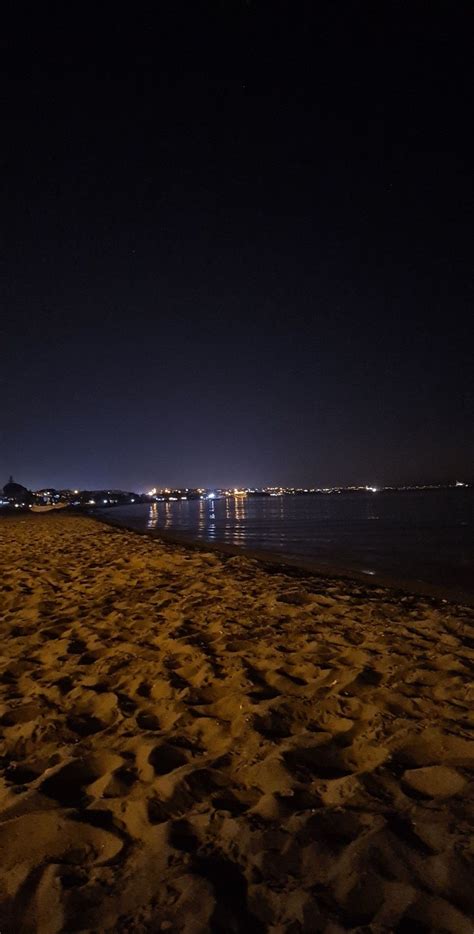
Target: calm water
[423, 537]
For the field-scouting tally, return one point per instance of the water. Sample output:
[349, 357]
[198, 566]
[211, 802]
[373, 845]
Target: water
[423, 537]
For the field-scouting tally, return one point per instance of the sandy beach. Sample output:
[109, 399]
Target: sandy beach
[193, 742]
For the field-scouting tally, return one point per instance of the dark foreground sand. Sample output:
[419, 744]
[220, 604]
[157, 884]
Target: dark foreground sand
[190, 743]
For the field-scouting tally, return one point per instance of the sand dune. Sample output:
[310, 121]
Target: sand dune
[195, 743]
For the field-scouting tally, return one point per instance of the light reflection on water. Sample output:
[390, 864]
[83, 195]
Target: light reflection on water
[413, 535]
[153, 516]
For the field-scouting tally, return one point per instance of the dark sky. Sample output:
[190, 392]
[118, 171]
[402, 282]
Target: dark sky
[237, 244]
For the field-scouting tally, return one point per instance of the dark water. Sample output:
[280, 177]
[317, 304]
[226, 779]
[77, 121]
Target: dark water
[424, 537]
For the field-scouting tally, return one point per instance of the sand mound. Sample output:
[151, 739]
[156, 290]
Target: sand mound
[190, 743]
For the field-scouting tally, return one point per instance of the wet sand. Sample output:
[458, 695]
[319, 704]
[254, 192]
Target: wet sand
[197, 742]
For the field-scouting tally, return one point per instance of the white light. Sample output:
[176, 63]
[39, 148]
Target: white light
[152, 492]
[211, 496]
[92, 502]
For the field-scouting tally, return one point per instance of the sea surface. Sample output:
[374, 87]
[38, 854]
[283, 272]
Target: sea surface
[422, 538]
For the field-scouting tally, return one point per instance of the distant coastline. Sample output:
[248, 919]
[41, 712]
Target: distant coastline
[15, 496]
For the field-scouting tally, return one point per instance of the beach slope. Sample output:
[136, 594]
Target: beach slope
[192, 742]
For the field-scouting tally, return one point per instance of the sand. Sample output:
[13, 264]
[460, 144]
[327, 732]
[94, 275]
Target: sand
[191, 742]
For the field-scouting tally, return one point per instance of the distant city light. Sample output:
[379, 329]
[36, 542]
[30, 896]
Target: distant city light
[116, 497]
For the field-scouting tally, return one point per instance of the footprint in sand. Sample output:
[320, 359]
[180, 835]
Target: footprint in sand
[68, 784]
[85, 724]
[23, 714]
[29, 888]
[166, 758]
[147, 720]
[272, 725]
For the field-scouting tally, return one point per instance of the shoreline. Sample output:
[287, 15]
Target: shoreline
[307, 566]
[194, 742]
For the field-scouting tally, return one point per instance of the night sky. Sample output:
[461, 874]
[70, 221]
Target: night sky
[237, 244]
